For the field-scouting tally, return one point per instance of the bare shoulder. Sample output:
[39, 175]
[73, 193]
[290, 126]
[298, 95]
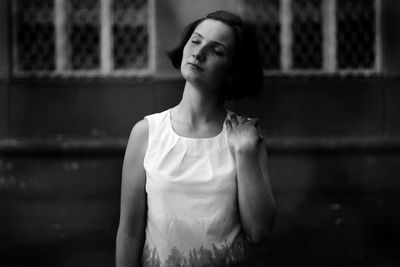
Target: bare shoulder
[141, 128]
[138, 138]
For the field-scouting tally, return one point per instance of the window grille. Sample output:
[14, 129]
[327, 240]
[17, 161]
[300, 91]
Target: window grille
[316, 36]
[35, 35]
[355, 39]
[83, 38]
[267, 30]
[307, 34]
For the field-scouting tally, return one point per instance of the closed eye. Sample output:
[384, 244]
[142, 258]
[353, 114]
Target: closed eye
[195, 40]
[218, 52]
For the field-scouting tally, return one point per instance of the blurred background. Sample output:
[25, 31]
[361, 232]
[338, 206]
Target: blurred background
[76, 75]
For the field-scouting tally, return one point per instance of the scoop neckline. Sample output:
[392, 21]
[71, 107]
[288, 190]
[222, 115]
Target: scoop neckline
[196, 138]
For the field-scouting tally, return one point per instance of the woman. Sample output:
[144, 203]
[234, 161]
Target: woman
[195, 188]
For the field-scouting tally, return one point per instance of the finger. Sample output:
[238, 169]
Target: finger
[228, 125]
[255, 122]
[234, 119]
[242, 119]
[261, 139]
[261, 134]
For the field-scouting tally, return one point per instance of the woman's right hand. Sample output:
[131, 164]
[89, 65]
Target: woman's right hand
[242, 133]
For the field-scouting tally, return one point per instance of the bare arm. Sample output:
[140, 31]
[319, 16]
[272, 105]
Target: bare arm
[131, 230]
[256, 202]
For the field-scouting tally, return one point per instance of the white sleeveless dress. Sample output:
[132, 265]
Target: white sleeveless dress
[192, 215]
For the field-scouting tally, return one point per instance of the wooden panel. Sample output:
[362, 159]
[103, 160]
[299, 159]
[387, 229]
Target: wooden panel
[59, 211]
[81, 109]
[58, 233]
[336, 174]
[168, 94]
[352, 233]
[47, 221]
[312, 107]
[334, 209]
[49, 178]
[4, 40]
[391, 37]
[392, 107]
[4, 65]
[287, 108]
[3, 108]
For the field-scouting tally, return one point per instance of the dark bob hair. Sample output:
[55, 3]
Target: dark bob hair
[246, 77]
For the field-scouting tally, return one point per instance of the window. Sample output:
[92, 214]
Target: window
[316, 36]
[83, 38]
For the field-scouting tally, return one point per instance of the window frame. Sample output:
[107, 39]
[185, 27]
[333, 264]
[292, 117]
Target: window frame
[105, 69]
[329, 53]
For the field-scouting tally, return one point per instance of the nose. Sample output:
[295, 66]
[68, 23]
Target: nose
[199, 54]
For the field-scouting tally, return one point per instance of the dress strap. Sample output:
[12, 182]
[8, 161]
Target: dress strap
[155, 122]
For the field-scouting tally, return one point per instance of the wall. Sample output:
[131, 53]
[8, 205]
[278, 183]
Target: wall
[4, 67]
[333, 144]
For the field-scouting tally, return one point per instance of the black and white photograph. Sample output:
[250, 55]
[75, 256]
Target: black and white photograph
[199, 133]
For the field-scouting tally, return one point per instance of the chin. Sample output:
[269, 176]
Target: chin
[191, 76]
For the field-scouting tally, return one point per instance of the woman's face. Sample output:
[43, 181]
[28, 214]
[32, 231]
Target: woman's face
[208, 55]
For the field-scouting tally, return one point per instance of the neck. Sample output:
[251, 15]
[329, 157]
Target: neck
[197, 106]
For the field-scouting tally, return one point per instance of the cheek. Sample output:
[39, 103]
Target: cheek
[187, 49]
[185, 54]
[222, 69]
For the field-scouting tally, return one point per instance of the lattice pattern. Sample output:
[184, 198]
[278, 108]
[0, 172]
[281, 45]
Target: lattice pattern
[307, 34]
[82, 37]
[265, 17]
[35, 35]
[322, 36]
[83, 34]
[130, 34]
[356, 34]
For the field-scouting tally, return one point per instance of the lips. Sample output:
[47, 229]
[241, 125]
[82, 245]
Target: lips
[195, 66]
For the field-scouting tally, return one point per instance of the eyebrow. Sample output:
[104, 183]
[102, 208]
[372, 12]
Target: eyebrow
[218, 43]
